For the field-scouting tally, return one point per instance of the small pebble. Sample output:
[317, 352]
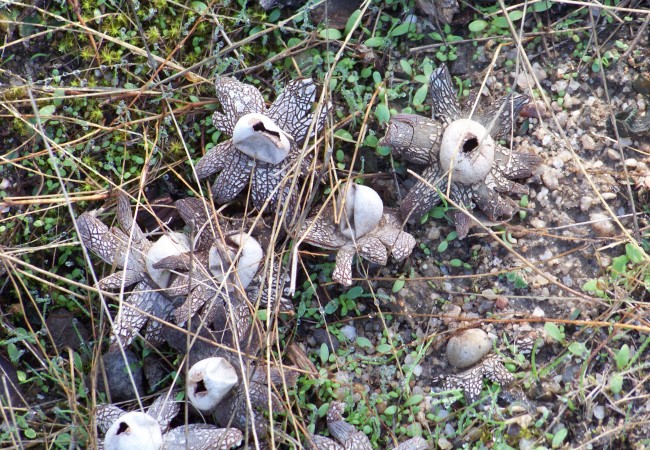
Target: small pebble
[537, 223]
[585, 203]
[467, 348]
[526, 444]
[587, 142]
[538, 312]
[573, 86]
[433, 234]
[562, 118]
[614, 155]
[502, 302]
[489, 294]
[602, 225]
[350, 332]
[631, 162]
[451, 312]
[444, 444]
[550, 180]
[599, 412]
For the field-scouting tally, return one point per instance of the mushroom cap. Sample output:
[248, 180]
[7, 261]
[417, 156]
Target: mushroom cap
[246, 267]
[468, 348]
[134, 431]
[363, 210]
[168, 245]
[467, 149]
[260, 138]
[209, 381]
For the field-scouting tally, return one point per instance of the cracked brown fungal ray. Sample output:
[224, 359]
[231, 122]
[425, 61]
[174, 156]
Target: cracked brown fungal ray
[385, 238]
[197, 283]
[417, 140]
[111, 245]
[347, 437]
[291, 112]
[471, 380]
[195, 436]
[491, 367]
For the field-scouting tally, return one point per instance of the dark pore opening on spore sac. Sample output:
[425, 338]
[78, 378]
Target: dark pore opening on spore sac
[470, 144]
[200, 387]
[259, 126]
[122, 428]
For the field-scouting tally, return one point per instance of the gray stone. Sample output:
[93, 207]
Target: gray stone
[116, 369]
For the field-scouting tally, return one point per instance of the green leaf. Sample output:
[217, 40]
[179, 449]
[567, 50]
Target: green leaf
[383, 150]
[619, 264]
[345, 136]
[455, 263]
[324, 353]
[500, 22]
[376, 41]
[402, 28]
[384, 348]
[420, 95]
[371, 141]
[47, 111]
[616, 383]
[590, 286]
[398, 285]
[29, 433]
[559, 437]
[414, 400]
[635, 253]
[523, 202]
[443, 246]
[382, 113]
[623, 357]
[199, 7]
[579, 349]
[554, 331]
[477, 25]
[595, 67]
[438, 212]
[330, 34]
[353, 18]
[14, 353]
[355, 292]
[364, 342]
[542, 6]
[391, 410]
[275, 15]
[406, 67]
[516, 14]
[322, 411]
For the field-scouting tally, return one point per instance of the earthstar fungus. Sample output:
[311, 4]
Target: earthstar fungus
[461, 154]
[137, 430]
[347, 437]
[366, 228]
[265, 143]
